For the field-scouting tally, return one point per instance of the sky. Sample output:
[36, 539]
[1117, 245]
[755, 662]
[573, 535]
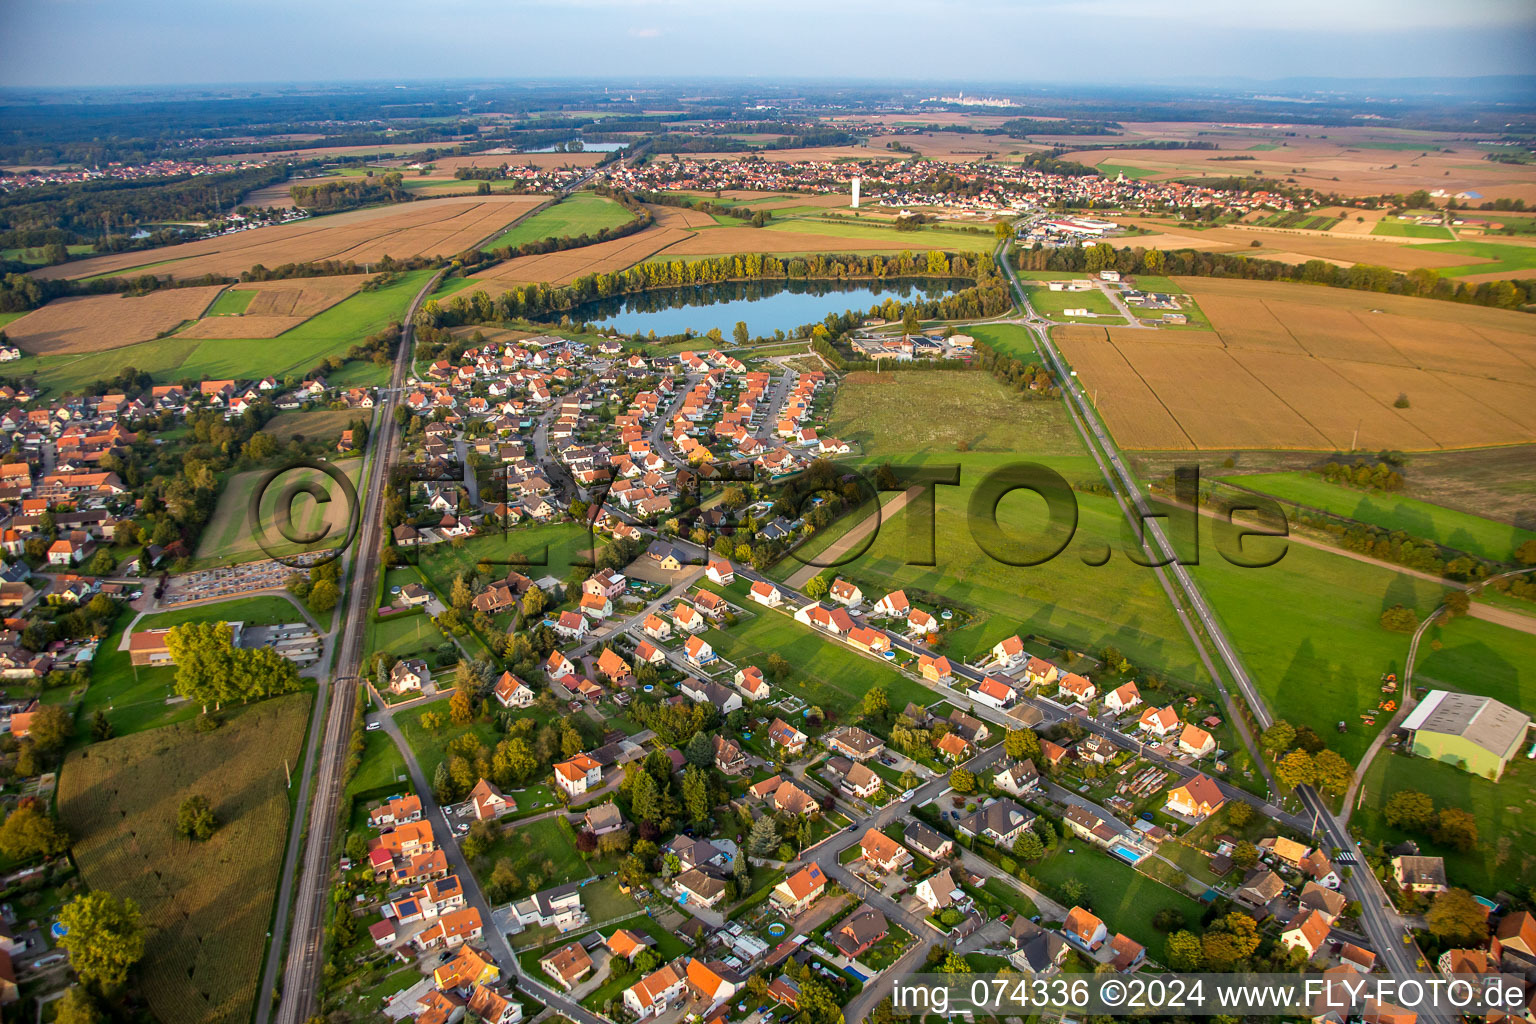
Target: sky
[173, 42]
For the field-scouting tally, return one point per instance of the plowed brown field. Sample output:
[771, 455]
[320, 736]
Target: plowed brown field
[95, 323]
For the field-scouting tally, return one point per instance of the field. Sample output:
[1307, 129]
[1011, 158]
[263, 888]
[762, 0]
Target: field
[1125, 899]
[208, 905]
[95, 323]
[1504, 858]
[581, 214]
[1296, 367]
[1480, 657]
[874, 411]
[1411, 229]
[1309, 631]
[322, 424]
[230, 536]
[1496, 260]
[1463, 531]
[266, 309]
[298, 351]
[1054, 304]
[1294, 245]
[1006, 339]
[826, 674]
[437, 227]
[536, 551]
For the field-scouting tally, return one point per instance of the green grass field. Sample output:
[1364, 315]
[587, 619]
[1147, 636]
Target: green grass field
[1480, 657]
[1122, 897]
[1507, 259]
[297, 351]
[404, 636]
[431, 746]
[1110, 170]
[383, 765]
[1461, 530]
[1505, 856]
[207, 905]
[549, 551]
[1006, 339]
[921, 240]
[1054, 304]
[1400, 228]
[313, 424]
[825, 673]
[231, 303]
[536, 848]
[972, 409]
[35, 255]
[231, 536]
[581, 214]
[1309, 631]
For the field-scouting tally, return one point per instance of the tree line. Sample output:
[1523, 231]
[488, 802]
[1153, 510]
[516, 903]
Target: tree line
[331, 196]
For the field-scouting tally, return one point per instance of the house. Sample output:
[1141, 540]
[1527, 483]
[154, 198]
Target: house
[995, 691]
[855, 743]
[953, 747]
[571, 625]
[857, 780]
[1009, 651]
[712, 982]
[791, 799]
[883, 852]
[1320, 869]
[893, 605]
[1097, 749]
[567, 965]
[1001, 822]
[786, 738]
[1018, 779]
[1123, 698]
[647, 653]
[874, 641]
[595, 606]
[1091, 826]
[605, 583]
[750, 682]
[488, 802]
[935, 669]
[657, 627]
[1325, 901]
[800, 889]
[1075, 688]
[1040, 672]
[728, 756]
[1053, 753]
[491, 1007]
[701, 653]
[700, 888]
[766, 594]
[1196, 742]
[938, 891]
[577, 774]
[1129, 954]
[720, 572]
[1260, 887]
[845, 593]
[603, 819]
[558, 666]
[452, 930]
[920, 623]
[1160, 722]
[559, 908]
[829, 620]
[707, 691]
[1307, 931]
[409, 676]
[1038, 950]
[927, 841]
[860, 930]
[1419, 874]
[687, 617]
[1199, 798]
[512, 692]
[398, 811]
[665, 556]
[1083, 929]
[973, 730]
[656, 991]
[1477, 734]
[625, 943]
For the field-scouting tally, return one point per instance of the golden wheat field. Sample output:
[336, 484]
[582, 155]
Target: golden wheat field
[277, 306]
[95, 323]
[427, 227]
[1289, 366]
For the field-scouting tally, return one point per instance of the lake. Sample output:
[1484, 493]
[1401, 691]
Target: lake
[766, 306]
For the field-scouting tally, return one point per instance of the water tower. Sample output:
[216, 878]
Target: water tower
[855, 193]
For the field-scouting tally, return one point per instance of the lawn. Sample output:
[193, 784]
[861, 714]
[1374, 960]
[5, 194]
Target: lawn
[134, 699]
[300, 350]
[1054, 304]
[383, 764]
[1479, 657]
[826, 673]
[1110, 170]
[1122, 897]
[431, 746]
[1400, 228]
[539, 850]
[535, 551]
[1006, 339]
[230, 536]
[1083, 606]
[313, 424]
[1514, 259]
[1505, 856]
[1308, 629]
[1460, 530]
[404, 636]
[231, 303]
[580, 214]
[207, 905]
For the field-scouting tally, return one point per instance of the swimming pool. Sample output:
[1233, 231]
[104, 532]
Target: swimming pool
[1125, 853]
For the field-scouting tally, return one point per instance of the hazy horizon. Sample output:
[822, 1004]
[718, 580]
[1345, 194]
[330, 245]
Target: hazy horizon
[93, 43]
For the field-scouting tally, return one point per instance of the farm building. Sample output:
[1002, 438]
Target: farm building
[1478, 734]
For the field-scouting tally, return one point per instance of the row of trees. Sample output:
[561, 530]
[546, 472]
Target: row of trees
[211, 670]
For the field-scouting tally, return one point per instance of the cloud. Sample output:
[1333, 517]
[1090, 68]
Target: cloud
[645, 33]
